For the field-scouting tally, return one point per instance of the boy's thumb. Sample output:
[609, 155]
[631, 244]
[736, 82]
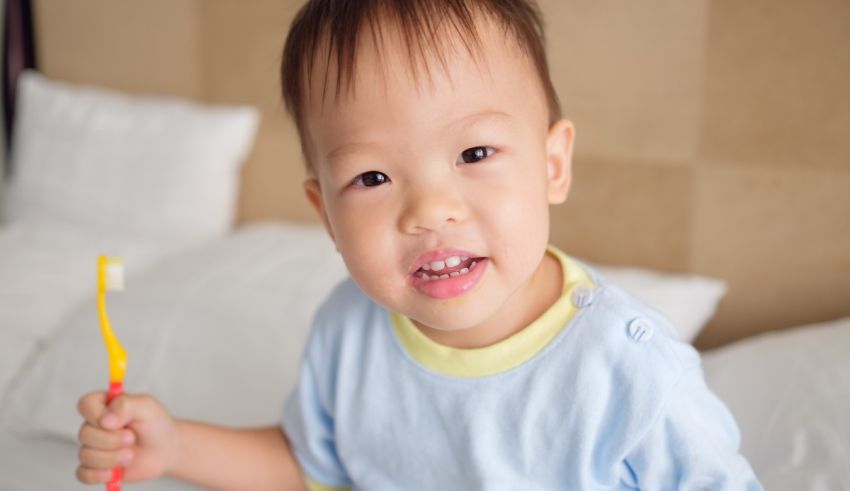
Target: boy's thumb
[118, 414]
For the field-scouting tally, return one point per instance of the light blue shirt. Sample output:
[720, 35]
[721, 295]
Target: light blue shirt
[614, 401]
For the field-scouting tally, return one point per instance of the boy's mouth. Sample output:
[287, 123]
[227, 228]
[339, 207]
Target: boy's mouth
[447, 273]
[451, 267]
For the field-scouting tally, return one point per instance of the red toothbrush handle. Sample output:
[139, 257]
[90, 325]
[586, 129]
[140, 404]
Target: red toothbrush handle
[115, 390]
[114, 484]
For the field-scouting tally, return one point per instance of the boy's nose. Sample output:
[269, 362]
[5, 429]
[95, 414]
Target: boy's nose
[430, 210]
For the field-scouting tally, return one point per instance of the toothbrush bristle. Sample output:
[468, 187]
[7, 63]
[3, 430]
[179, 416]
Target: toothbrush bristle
[114, 275]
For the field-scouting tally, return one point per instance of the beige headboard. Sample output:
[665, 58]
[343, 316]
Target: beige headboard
[713, 136]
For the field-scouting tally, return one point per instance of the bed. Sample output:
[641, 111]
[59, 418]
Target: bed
[224, 270]
[199, 323]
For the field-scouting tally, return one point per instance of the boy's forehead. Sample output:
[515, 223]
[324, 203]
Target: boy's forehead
[393, 87]
[387, 53]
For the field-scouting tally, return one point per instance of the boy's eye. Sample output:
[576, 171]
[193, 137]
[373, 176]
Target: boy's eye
[474, 154]
[370, 179]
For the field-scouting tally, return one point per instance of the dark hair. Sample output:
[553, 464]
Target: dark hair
[339, 24]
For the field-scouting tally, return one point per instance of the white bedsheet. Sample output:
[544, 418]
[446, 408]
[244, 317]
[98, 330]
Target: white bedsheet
[45, 270]
[216, 332]
[790, 394]
[37, 463]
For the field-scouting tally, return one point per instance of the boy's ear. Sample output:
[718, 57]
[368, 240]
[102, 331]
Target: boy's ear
[559, 156]
[314, 194]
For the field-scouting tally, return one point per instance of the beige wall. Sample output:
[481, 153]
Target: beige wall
[711, 134]
[713, 138]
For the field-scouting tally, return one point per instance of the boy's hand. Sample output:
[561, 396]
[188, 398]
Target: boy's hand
[135, 432]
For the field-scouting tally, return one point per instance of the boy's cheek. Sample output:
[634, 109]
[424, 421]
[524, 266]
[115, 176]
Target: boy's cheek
[360, 234]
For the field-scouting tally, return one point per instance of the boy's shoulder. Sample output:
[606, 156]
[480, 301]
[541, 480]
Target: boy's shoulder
[340, 324]
[345, 297]
[626, 351]
[346, 309]
[632, 334]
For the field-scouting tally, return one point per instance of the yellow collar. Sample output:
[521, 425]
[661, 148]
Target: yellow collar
[506, 354]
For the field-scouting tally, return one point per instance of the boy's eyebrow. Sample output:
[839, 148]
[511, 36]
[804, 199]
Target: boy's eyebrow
[348, 148]
[473, 118]
[467, 119]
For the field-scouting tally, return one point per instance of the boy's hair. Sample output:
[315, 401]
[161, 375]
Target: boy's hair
[337, 26]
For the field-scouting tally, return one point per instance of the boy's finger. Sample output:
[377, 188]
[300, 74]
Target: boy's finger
[93, 476]
[91, 405]
[93, 437]
[119, 413]
[104, 459]
[126, 408]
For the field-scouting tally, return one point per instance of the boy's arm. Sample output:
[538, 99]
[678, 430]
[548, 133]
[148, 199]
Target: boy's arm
[138, 433]
[693, 443]
[224, 459]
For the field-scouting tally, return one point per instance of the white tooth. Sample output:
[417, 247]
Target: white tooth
[473, 264]
[438, 265]
[464, 271]
[425, 276]
[426, 267]
[452, 261]
[444, 276]
[463, 258]
[454, 274]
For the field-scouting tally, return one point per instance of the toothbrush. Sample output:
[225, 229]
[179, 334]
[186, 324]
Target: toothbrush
[110, 277]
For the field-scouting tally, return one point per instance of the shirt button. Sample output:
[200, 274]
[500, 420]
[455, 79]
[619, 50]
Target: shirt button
[640, 330]
[582, 296]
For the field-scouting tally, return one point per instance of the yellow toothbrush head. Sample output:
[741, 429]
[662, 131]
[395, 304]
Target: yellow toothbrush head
[110, 277]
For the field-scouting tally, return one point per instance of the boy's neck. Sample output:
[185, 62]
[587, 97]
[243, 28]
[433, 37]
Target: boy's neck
[526, 305]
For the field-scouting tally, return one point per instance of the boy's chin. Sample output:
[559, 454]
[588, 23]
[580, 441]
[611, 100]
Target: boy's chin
[460, 322]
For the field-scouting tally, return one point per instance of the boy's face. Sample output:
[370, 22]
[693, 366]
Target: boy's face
[412, 177]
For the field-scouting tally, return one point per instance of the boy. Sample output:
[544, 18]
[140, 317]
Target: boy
[464, 353]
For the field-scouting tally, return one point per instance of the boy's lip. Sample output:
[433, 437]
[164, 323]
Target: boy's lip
[438, 255]
[447, 286]
[444, 288]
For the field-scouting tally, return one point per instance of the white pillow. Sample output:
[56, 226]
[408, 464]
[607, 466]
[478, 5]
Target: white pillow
[790, 394]
[144, 165]
[689, 301]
